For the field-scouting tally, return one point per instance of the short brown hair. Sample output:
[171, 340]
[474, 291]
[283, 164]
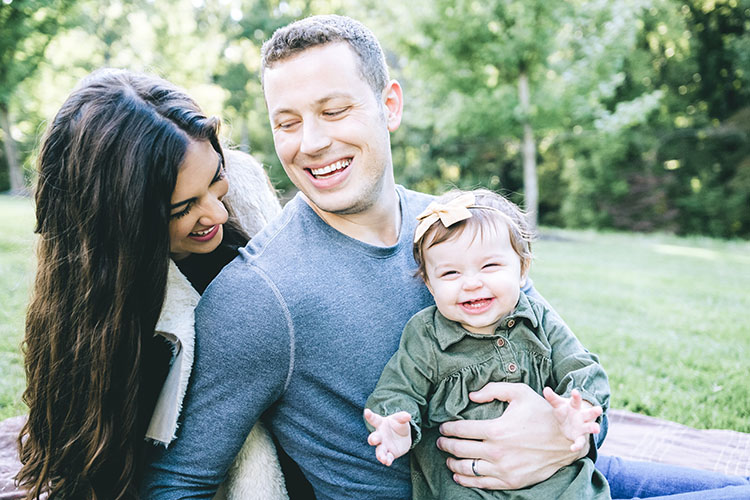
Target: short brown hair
[491, 211]
[314, 31]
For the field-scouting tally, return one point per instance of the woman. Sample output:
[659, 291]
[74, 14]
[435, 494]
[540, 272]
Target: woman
[132, 228]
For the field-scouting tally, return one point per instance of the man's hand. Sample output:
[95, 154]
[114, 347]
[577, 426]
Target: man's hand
[577, 418]
[391, 437]
[524, 446]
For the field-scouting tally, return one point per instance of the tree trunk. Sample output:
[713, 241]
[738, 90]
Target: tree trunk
[15, 173]
[245, 137]
[530, 185]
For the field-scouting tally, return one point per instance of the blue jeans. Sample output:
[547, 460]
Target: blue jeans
[630, 479]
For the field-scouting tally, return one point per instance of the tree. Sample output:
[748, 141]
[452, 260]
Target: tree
[26, 28]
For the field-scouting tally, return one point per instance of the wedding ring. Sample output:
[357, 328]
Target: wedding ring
[474, 467]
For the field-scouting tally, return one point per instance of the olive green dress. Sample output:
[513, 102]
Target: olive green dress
[439, 363]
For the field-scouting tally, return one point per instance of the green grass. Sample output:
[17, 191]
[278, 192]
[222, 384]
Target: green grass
[16, 274]
[669, 316]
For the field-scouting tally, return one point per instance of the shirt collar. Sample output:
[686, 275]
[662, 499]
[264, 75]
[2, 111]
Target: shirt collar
[449, 332]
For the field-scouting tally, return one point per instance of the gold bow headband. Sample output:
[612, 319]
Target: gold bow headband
[454, 211]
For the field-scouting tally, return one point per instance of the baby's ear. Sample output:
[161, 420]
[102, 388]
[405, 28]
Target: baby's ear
[525, 265]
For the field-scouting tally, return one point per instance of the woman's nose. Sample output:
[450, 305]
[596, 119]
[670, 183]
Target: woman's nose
[216, 213]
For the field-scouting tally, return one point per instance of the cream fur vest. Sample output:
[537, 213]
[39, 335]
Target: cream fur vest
[255, 473]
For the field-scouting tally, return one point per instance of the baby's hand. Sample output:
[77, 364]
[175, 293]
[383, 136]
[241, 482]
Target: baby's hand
[391, 437]
[575, 421]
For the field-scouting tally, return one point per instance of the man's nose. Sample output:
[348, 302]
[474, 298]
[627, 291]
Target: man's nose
[314, 137]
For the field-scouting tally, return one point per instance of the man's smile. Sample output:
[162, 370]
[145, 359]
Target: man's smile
[329, 170]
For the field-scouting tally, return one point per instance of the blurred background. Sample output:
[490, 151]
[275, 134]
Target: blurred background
[621, 114]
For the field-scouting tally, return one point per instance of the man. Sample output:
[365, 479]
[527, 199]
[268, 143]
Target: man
[298, 328]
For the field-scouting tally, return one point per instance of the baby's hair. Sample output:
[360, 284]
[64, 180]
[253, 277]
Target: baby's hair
[490, 212]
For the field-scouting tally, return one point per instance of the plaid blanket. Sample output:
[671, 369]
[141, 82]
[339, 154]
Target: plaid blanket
[9, 464]
[638, 437]
[632, 436]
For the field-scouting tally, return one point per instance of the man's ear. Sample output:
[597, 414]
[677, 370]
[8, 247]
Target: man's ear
[393, 99]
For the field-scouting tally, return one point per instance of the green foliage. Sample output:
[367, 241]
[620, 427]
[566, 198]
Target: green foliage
[26, 27]
[638, 107]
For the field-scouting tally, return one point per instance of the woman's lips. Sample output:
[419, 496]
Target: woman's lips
[203, 235]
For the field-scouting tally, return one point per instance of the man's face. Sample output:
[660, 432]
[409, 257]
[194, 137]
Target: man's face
[330, 130]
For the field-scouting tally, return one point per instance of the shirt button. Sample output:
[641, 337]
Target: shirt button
[500, 342]
[512, 368]
[511, 323]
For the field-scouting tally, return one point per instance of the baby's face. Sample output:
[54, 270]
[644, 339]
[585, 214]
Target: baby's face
[475, 279]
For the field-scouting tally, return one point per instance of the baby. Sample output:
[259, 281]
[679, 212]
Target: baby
[474, 251]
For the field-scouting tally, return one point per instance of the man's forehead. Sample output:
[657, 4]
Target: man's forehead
[313, 77]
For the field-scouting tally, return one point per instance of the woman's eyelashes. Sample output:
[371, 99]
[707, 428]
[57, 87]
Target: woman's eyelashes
[221, 173]
[183, 212]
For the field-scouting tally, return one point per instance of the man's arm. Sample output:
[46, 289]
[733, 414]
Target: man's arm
[241, 365]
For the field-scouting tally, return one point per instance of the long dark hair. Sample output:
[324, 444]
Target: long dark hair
[107, 168]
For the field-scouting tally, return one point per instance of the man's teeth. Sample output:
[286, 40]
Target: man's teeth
[202, 233]
[330, 168]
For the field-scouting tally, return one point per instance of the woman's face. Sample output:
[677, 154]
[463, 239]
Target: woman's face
[197, 213]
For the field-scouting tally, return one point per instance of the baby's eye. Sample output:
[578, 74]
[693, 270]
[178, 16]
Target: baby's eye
[491, 265]
[449, 274]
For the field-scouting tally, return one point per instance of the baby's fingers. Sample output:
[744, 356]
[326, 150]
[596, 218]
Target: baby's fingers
[401, 417]
[575, 399]
[373, 418]
[592, 428]
[384, 456]
[375, 438]
[578, 444]
[591, 414]
[553, 398]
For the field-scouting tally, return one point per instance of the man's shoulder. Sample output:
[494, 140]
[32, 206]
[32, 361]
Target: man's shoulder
[416, 200]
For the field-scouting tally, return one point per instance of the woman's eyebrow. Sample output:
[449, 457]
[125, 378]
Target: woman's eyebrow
[215, 178]
[180, 203]
[217, 174]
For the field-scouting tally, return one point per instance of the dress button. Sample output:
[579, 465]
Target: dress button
[512, 368]
[500, 342]
[511, 323]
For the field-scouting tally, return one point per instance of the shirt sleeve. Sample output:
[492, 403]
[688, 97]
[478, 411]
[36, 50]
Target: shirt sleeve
[241, 324]
[407, 379]
[574, 367]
